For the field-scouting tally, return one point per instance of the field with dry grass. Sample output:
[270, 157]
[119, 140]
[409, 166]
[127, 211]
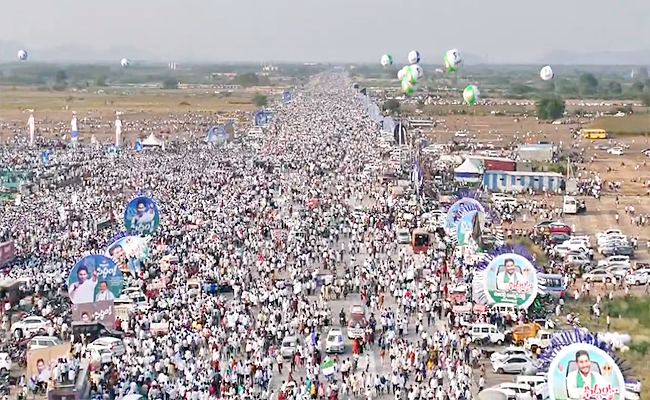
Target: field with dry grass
[126, 100]
[629, 125]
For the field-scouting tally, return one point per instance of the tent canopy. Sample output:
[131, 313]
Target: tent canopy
[152, 140]
[467, 167]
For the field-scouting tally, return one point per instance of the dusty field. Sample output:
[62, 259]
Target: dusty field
[631, 169]
[164, 112]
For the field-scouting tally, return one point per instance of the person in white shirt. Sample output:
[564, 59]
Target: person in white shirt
[104, 294]
[83, 291]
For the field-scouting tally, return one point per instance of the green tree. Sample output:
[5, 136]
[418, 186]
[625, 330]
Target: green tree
[550, 108]
[60, 77]
[170, 83]
[615, 87]
[248, 79]
[391, 105]
[588, 84]
[260, 100]
[638, 86]
[518, 88]
[645, 98]
[100, 79]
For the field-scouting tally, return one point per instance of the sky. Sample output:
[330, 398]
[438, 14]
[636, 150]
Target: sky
[501, 31]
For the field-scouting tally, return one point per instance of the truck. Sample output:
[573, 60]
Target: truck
[540, 341]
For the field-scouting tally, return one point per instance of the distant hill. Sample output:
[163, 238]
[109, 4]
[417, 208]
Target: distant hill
[563, 57]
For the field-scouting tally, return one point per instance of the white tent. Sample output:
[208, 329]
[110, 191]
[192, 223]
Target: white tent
[152, 141]
[468, 172]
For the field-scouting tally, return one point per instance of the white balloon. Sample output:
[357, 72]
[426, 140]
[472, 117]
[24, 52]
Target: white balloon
[452, 60]
[22, 55]
[125, 62]
[546, 73]
[414, 57]
[401, 73]
[416, 71]
[386, 60]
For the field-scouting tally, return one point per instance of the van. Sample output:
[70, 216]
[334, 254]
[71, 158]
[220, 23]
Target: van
[505, 309]
[487, 332]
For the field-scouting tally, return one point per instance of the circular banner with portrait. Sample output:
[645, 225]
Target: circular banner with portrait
[142, 215]
[94, 278]
[510, 279]
[470, 230]
[128, 252]
[459, 209]
[583, 371]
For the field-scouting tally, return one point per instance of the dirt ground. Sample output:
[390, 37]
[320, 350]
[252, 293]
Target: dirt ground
[164, 112]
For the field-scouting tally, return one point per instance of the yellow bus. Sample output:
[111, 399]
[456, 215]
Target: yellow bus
[594, 133]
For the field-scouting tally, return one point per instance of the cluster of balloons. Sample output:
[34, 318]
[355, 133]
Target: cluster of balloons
[411, 73]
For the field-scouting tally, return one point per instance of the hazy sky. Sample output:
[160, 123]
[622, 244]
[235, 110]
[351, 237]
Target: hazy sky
[331, 30]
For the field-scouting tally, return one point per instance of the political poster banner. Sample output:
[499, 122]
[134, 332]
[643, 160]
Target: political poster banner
[582, 371]
[100, 311]
[510, 279]
[128, 252]
[94, 278]
[7, 252]
[142, 216]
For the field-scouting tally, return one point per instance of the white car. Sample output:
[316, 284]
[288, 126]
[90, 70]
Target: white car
[608, 233]
[522, 391]
[618, 260]
[115, 345]
[403, 236]
[31, 325]
[638, 278]
[5, 363]
[509, 351]
[617, 151]
[599, 275]
[334, 342]
[103, 354]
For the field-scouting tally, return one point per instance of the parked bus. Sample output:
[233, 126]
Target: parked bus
[593, 133]
[552, 284]
[420, 241]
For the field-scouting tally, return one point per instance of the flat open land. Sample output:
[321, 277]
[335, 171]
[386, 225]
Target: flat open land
[144, 110]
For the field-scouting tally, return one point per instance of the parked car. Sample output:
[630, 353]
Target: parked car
[638, 278]
[31, 325]
[115, 345]
[614, 259]
[42, 342]
[559, 227]
[522, 391]
[508, 352]
[514, 365]
[599, 275]
[559, 237]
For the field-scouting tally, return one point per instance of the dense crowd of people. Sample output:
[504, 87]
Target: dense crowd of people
[292, 228]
